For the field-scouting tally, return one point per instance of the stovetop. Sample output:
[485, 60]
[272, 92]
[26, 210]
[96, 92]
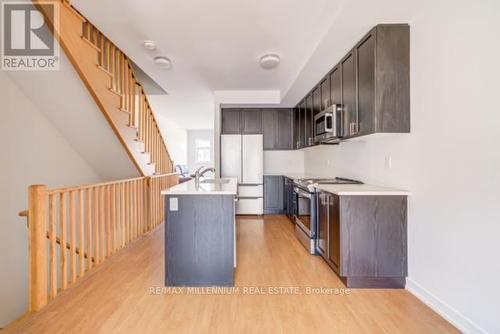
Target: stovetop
[310, 182]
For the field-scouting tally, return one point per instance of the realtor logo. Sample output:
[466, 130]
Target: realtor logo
[27, 40]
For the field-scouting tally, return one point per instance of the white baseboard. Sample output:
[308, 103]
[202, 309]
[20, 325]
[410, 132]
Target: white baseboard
[457, 319]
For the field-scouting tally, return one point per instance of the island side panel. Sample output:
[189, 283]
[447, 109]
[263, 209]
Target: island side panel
[374, 240]
[199, 237]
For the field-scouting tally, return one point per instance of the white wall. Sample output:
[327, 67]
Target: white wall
[176, 139]
[34, 152]
[451, 159]
[282, 162]
[193, 135]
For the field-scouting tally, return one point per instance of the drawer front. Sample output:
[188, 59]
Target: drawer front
[251, 191]
[250, 206]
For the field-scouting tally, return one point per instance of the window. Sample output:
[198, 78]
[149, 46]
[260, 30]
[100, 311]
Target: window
[202, 150]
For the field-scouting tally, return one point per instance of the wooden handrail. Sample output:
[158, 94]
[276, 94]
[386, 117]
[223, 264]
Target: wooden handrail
[86, 186]
[85, 225]
[131, 114]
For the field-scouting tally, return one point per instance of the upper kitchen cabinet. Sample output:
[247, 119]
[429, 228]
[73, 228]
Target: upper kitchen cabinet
[383, 80]
[284, 133]
[308, 122]
[335, 86]
[297, 133]
[348, 93]
[251, 121]
[230, 121]
[316, 100]
[277, 129]
[325, 93]
[302, 123]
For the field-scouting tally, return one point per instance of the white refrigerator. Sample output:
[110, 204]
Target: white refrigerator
[242, 156]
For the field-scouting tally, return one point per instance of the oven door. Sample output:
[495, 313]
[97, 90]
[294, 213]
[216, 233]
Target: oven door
[303, 210]
[323, 124]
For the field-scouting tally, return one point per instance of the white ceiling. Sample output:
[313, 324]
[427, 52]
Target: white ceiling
[214, 45]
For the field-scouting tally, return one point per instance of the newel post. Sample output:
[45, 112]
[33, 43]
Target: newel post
[37, 216]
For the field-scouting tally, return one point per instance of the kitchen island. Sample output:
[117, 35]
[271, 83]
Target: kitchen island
[200, 233]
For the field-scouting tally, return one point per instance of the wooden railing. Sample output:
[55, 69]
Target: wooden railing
[72, 230]
[109, 75]
[133, 98]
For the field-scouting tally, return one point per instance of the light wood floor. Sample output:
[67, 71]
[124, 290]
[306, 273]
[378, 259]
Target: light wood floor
[116, 298]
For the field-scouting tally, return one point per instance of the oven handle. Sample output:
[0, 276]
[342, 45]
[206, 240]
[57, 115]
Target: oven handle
[302, 192]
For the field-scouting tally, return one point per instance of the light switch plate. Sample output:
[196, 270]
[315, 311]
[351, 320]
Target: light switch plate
[174, 204]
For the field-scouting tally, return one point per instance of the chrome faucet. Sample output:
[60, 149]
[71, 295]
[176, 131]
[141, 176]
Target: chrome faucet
[200, 172]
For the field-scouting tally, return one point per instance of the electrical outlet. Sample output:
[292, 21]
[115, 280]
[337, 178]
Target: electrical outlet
[174, 204]
[388, 162]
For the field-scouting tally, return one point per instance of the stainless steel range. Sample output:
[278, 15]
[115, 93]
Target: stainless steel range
[305, 208]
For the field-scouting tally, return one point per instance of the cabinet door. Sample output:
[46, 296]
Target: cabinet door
[273, 194]
[283, 138]
[309, 140]
[252, 121]
[335, 86]
[334, 230]
[316, 96]
[349, 95]
[322, 243]
[296, 128]
[269, 128]
[231, 121]
[289, 196]
[365, 62]
[325, 93]
[303, 126]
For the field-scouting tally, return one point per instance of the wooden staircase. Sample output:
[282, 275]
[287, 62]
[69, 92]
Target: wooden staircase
[108, 75]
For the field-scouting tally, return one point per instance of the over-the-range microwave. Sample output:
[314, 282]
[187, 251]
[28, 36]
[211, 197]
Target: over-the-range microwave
[328, 125]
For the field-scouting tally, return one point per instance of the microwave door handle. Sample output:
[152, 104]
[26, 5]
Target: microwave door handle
[328, 129]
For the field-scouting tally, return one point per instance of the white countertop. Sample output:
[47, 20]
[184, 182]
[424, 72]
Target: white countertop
[293, 176]
[189, 188]
[361, 190]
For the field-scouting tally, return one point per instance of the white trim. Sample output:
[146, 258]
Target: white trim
[456, 318]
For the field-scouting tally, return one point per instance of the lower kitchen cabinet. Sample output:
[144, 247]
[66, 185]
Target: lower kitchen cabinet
[274, 202]
[364, 239]
[289, 197]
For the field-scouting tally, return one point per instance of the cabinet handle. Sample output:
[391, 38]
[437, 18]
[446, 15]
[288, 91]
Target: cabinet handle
[353, 128]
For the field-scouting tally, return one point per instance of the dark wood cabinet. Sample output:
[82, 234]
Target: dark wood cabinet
[302, 123]
[383, 80]
[364, 238]
[308, 123]
[297, 133]
[333, 230]
[335, 86]
[348, 92]
[284, 131]
[252, 121]
[230, 121]
[316, 101]
[365, 62]
[268, 128]
[274, 194]
[277, 129]
[372, 82]
[322, 216]
[326, 101]
[289, 197]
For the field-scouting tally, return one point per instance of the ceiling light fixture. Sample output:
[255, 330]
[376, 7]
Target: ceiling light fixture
[149, 45]
[163, 62]
[269, 61]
